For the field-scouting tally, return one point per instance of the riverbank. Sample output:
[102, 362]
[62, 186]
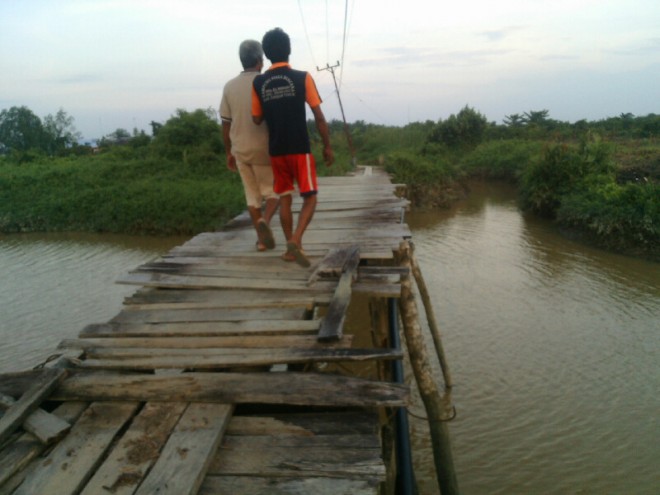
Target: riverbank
[602, 193]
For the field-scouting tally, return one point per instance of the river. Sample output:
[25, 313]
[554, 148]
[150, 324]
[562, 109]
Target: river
[554, 350]
[553, 346]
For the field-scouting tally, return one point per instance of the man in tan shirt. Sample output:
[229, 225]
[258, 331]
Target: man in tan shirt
[246, 144]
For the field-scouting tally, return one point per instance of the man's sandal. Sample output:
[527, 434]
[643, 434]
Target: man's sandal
[298, 254]
[265, 234]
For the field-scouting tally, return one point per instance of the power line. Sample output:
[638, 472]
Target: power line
[309, 44]
[343, 44]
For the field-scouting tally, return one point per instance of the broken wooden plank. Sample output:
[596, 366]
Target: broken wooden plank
[73, 460]
[45, 426]
[137, 450]
[29, 401]
[333, 323]
[332, 265]
[307, 389]
[16, 455]
[181, 467]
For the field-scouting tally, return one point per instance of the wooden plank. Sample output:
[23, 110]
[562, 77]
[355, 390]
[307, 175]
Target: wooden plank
[202, 329]
[73, 460]
[328, 441]
[154, 298]
[254, 485]
[149, 358]
[137, 451]
[15, 456]
[225, 267]
[333, 324]
[45, 426]
[29, 401]
[234, 388]
[196, 315]
[333, 422]
[189, 452]
[193, 282]
[246, 341]
[260, 456]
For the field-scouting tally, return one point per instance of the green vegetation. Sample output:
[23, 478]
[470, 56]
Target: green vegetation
[598, 179]
[175, 183]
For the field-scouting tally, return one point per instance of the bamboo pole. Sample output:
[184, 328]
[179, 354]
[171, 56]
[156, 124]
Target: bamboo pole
[430, 316]
[442, 453]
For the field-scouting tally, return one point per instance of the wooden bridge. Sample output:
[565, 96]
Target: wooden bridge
[229, 371]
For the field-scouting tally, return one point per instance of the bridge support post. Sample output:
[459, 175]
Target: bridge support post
[442, 452]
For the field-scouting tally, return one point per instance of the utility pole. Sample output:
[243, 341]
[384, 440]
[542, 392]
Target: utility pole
[331, 69]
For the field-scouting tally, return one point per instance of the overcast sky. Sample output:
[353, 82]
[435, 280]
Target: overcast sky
[124, 63]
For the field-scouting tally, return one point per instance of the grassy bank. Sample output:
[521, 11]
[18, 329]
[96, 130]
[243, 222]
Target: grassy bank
[108, 194]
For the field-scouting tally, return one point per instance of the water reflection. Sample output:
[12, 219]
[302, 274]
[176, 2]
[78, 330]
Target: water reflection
[55, 284]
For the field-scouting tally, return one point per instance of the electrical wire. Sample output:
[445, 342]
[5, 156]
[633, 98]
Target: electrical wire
[343, 44]
[309, 44]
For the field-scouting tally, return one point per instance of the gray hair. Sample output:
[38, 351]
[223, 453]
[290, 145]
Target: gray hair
[250, 53]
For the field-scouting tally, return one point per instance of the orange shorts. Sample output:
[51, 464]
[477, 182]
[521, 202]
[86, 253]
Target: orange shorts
[299, 169]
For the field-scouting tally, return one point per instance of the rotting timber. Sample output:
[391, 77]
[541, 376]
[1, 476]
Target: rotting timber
[229, 372]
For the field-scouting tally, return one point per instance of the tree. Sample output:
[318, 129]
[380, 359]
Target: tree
[467, 128]
[537, 117]
[22, 131]
[61, 131]
[188, 130]
[192, 137]
[514, 120]
[118, 136]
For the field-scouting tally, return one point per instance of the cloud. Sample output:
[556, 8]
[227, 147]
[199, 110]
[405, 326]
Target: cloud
[499, 34]
[649, 46]
[82, 78]
[402, 57]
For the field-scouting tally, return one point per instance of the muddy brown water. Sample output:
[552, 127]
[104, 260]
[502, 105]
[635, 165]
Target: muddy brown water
[554, 347]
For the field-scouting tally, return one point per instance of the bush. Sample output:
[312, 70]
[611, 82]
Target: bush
[501, 159]
[625, 218]
[430, 182]
[561, 170]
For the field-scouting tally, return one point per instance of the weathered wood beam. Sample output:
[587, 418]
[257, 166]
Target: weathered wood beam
[149, 358]
[307, 389]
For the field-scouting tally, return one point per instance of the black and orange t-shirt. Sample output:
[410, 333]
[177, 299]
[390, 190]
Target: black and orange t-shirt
[279, 96]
